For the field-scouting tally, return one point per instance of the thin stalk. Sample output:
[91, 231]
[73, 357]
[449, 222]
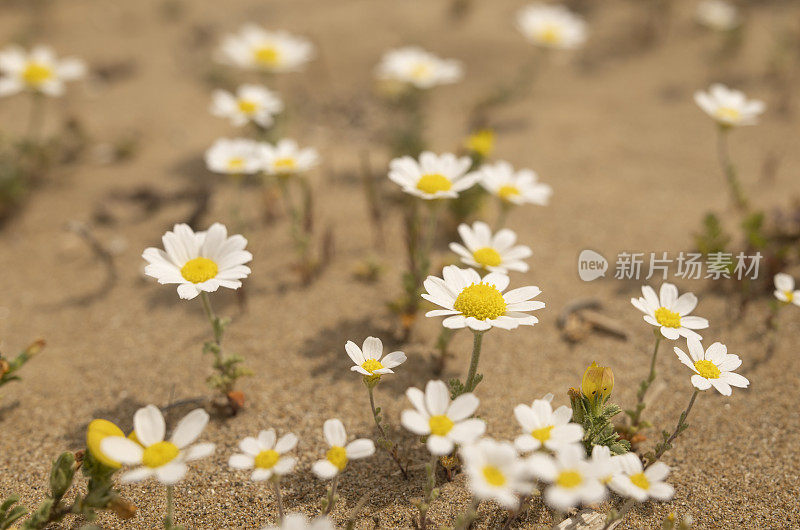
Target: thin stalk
[679, 428]
[331, 495]
[477, 339]
[620, 514]
[168, 520]
[391, 447]
[212, 317]
[278, 498]
[636, 420]
[430, 487]
[729, 170]
[502, 215]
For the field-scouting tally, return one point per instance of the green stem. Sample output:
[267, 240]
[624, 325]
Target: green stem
[391, 447]
[278, 498]
[729, 170]
[679, 428]
[212, 318]
[430, 489]
[636, 419]
[331, 495]
[473, 364]
[168, 520]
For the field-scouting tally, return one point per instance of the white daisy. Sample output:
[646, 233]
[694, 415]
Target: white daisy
[545, 427]
[340, 451]
[479, 303]
[298, 521]
[784, 289]
[669, 312]
[717, 15]
[418, 67]
[286, 158]
[495, 253]
[238, 156]
[165, 460]
[514, 187]
[445, 423]
[712, 367]
[369, 361]
[495, 472]
[433, 176]
[273, 51]
[551, 26]
[37, 71]
[607, 465]
[729, 108]
[250, 103]
[202, 261]
[265, 455]
[573, 480]
[640, 484]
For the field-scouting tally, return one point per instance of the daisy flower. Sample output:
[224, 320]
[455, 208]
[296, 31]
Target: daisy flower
[640, 484]
[784, 289]
[479, 303]
[298, 521]
[265, 455]
[165, 460]
[495, 472]
[545, 427]
[669, 312]
[551, 26]
[717, 15]
[199, 262]
[273, 51]
[495, 253]
[340, 451]
[286, 158]
[514, 187]
[417, 67]
[712, 367]
[573, 480]
[433, 176]
[369, 361]
[443, 421]
[729, 108]
[37, 71]
[237, 156]
[250, 103]
[606, 465]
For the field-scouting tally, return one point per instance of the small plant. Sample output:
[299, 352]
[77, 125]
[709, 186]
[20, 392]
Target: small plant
[10, 367]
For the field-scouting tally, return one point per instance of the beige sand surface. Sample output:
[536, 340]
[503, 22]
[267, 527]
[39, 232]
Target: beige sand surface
[615, 132]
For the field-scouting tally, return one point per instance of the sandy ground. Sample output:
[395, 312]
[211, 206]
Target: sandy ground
[614, 131]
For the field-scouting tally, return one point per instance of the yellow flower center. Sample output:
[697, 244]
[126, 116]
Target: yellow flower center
[236, 163]
[285, 164]
[494, 476]
[36, 73]
[159, 454]
[542, 434]
[267, 55]
[640, 481]
[198, 270]
[789, 295]
[550, 34]
[481, 301]
[267, 459]
[440, 425]
[247, 107]
[370, 365]
[487, 256]
[337, 456]
[434, 182]
[569, 479]
[667, 318]
[508, 191]
[707, 369]
[421, 71]
[728, 113]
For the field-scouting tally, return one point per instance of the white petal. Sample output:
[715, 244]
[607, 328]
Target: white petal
[189, 428]
[148, 423]
[360, 448]
[334, 432]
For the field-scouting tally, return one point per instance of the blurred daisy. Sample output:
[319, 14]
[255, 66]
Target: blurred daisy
[712, 367]
[784, 289]
[640, 484]
[265, 455]
[274, 51]
[573, 480]
[495, 472]
[36, 71]
[607, 465]
[495, 253]
[551, 26]
[444, 422]
[668, 311]
[250, 103]
[417, 67]
[545, 427]
[433, 176]
[340, 451]
[199, 262]
[298, 521]
[717, 15]
[479, 303]
[238, 156]
[480, 142]
[514, 187]
[369, 361]
[164, 460]
[729, 108]
[286, 158]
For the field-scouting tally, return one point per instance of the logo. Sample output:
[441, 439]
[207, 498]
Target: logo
[591, 265]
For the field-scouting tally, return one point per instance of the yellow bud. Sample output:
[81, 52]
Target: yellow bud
[98, 431]
[597, 382]
[481, 142]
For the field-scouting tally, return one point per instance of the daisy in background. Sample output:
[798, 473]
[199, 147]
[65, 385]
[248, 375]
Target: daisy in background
[639, 484]
[545, 427]
[495, 472]
[199, 262]
[272, 51]
[238, 156]
[445, 422]
[286, 158]
[718, 15]
[784, 289]
[712, 367]
[340, 452]
[298, 521]
[265, 455]
[369, 360]
[250, 103]
[729, 108]
[38, 71]
[495, 253]
[573, 480]
[607, 465]
[432, 176]
[416, 67]
[514, 187]
[551, 26]
[670, 312]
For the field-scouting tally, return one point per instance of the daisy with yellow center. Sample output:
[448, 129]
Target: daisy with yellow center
[729, 108]
[418, 68]
[607, 465]
[712, 367]
[551, 26]
[265, 455]
[670, 312]
[340, 452]
[495, 472]
[369, 360]
[259, 49]
[573, 480]
[514, 187]
[286, 158]
[38, 71]
[639, 484]
[432, 176]
[784, 289]
[250, 103]
[492, 252]
[544, 427]
[238, 156]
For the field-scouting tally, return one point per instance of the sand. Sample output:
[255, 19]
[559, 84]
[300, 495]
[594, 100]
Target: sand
[613, 130]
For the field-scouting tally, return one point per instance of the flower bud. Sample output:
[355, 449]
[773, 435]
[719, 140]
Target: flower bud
[597, 382]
